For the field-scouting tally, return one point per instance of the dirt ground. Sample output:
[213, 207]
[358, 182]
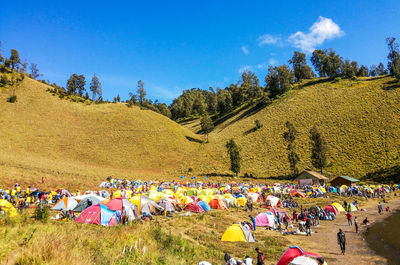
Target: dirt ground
[324, 238]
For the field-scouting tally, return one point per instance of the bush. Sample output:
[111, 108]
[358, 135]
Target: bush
[41, 213]
[12, 99]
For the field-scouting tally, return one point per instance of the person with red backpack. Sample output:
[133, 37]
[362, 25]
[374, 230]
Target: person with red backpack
[260, 257]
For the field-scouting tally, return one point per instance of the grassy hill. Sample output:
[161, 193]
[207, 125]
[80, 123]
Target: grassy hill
[360, 121]
[74, 143]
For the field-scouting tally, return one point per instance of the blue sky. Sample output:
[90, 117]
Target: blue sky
[176, 45]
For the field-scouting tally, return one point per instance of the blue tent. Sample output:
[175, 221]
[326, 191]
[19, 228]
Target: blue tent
[205, 206]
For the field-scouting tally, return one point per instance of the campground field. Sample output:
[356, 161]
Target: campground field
[177, 240]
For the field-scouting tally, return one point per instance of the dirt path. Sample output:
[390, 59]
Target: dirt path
[324, 239]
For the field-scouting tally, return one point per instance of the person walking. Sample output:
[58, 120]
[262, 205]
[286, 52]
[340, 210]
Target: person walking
[260, 257]
[308, 227]
[349, 216]
[341, 238]
[380, 208]
[356, 223]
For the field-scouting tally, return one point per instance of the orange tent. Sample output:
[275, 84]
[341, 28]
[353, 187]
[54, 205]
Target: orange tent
[217, 204]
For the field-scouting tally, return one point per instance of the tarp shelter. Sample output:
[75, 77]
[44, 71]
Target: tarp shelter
[66, 203]
[303, 260]
[8, 208]
[293, 252]
[265, 220]
[194, 207]
[99, 214]
[236, 232]
[85, 203]
[217, 204]
[273, 201]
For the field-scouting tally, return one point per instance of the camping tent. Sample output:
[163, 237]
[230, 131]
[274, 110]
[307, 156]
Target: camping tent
[293, 252]
[66, 203]
[167, 205]
[338, 207]
[145, 204]
[331, 209]
[273, 201]
[265, 219]
[99, 214]
[303, 260]
[217, 204]
[119, 204]
[194, 207]
[204, 205]
[85, 203]
[236, 232]
[8, 208]
[253, 197]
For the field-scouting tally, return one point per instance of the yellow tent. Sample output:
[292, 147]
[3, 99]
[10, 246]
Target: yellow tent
[155, 195]
[338, 207]
[233, 234]
[241, 201]
[8, 208]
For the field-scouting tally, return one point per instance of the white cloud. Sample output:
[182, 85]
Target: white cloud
[268, 39]
[245, 68]
[245, 49]
[323, 29]
[272, 61]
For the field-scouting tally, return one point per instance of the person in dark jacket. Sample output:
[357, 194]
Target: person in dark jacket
[260, 257]
[308, 227]
[341, 238]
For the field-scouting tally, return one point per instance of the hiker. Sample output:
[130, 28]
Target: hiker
[349, 216]
[42, 180]
[341, 238]
[260, 257]
[380, 208]
[356, 223]
[321, 261]
[229, 260]
[387, 209]
[308, 227]
[248, 261]
[253, 220]
[285, 222]
[366, 221]
[249, 205]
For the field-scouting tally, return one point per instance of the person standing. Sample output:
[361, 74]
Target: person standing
[308, 227]
[260, 257]
[356, 223]
[341, 238]
[380, 208]
[349, 216]
[253, 220]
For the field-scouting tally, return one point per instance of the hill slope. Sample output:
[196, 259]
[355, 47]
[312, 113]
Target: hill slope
[359, 119]
[74, 143]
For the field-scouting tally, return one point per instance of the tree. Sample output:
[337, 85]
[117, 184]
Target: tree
[34, 71]
[76, 84]
[381, 70]
[317, 61]
[279, 80]
[300, 68]
[141, 93]
[234, 155]
[212, 101]
[293, 157]
[363, 71]
[14, 60]
[207, 125]
[349, 70]
[332, 64]
[95, 87]
[393, 57]
[1, 54]
[319, 150]
[250, 87]
[199, 106]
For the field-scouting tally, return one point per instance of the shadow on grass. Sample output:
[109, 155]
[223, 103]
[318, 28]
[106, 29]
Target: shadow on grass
[391, 85]
[194, 140]
[254, 129]
[384, 175]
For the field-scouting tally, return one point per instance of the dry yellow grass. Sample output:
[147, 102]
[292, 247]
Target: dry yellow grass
[78, 145]
[360, 121]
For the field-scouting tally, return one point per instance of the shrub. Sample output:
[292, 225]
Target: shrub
[12, 99]
[41, 213]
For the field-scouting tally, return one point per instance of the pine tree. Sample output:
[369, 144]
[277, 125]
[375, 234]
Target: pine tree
[234, 155]
[95, 87]
[207, 125]
[141, 93]
[319, 150]
[293, 157]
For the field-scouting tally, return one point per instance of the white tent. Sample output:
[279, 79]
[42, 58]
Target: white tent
[273, 201]
[303, 260]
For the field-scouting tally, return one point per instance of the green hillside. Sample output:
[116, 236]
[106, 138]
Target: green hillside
[360, 121]
[75, 143]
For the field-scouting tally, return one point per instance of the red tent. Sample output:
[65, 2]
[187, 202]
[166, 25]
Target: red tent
[293, 252]
[194, 207]
[217, 204]
[118, 204]
[331, 209]
[98, 214]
